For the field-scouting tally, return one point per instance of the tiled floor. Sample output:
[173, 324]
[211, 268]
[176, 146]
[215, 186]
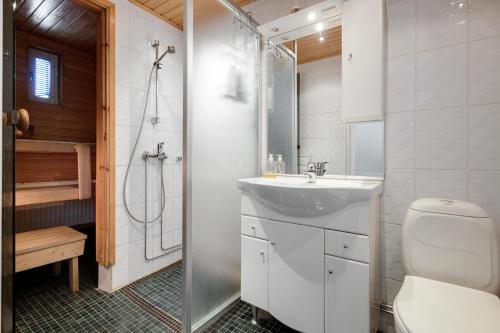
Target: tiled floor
[152, 304]
[238, 319]
[45, 304]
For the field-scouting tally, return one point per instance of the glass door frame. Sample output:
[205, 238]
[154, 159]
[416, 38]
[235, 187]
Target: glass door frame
[8, 168]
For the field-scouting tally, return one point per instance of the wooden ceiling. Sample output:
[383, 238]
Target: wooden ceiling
[61, 21]
[172, 11]
[310, 48]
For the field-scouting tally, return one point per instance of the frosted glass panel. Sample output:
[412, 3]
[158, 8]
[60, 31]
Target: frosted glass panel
[223, 149]
[281, 111]
[367, 148]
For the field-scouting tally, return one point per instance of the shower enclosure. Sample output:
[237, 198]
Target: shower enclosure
[221, 145]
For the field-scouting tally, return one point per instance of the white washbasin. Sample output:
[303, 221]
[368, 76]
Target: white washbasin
[294, 197]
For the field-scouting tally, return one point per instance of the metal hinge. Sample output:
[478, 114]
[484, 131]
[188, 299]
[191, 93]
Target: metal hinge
[13, 119]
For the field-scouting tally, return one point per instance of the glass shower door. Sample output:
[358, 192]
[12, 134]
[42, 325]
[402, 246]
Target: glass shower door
[8, 158]
[222, 141]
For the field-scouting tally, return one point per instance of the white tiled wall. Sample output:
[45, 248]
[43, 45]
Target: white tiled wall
[321, 126]
[135, 29]
[443, 112]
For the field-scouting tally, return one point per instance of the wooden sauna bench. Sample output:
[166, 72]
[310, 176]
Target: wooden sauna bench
[50, 246]
[55, 191]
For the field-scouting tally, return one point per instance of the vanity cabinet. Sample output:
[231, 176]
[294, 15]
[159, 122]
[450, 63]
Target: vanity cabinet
[311, 262]
[347, 299]
[311, 279]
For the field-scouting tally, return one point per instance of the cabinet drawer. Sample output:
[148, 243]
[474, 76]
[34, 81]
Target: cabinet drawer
[253, 227]
[346, 245]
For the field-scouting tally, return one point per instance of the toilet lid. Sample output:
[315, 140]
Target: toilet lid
[429, 306]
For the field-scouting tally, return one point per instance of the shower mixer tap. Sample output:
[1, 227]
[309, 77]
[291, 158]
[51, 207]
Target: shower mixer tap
[160, 154]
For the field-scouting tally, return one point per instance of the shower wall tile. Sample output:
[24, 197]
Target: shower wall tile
[121, 226]
[122, 105]
[120, 273]
[483, 19]
[134, 58]
[122, 65]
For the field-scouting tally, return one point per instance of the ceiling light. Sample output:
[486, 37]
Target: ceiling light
[319, 27]
[311, 16]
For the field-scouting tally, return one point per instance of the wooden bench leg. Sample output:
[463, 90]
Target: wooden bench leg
[73, 274]
[56, 268]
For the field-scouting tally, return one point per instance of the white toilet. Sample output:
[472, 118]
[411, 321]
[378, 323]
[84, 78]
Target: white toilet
[450, 252]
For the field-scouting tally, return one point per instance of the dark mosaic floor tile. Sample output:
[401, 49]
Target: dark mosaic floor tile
[238, 319]
[162, 289]
[153, 304]
[45, 304]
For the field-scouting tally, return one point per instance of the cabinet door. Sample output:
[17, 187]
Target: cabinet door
[347, 299]
[255, 271]
[363, 60]
[296, 280]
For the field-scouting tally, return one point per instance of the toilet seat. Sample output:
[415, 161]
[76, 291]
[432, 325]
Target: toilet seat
[428, 306]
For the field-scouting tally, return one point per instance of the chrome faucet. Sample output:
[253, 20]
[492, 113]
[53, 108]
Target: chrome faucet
[311, 174]
[160, 154]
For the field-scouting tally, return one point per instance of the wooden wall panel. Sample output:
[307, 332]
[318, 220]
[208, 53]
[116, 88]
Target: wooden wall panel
[36, 168]
[74, 118]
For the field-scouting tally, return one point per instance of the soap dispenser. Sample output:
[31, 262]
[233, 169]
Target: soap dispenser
[280, 165]
[270, 171]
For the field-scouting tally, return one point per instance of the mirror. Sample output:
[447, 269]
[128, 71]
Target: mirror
[303, 90]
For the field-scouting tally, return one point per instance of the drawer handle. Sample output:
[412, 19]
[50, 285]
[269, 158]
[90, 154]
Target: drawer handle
[330, 271]
[346, 246]
[253, 227]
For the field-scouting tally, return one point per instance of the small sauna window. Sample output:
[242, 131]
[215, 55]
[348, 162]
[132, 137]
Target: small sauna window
[43, 76]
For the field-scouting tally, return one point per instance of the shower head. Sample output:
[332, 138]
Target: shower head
[170, 50]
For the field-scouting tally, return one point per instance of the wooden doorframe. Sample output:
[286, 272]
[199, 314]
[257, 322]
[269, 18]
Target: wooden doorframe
[105, 204]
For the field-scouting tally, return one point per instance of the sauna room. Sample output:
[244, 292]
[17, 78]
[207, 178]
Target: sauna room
[55, 92]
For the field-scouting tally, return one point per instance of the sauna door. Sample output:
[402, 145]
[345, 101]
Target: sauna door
[7, 185]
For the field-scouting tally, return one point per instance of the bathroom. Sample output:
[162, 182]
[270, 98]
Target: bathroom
[375, 106]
